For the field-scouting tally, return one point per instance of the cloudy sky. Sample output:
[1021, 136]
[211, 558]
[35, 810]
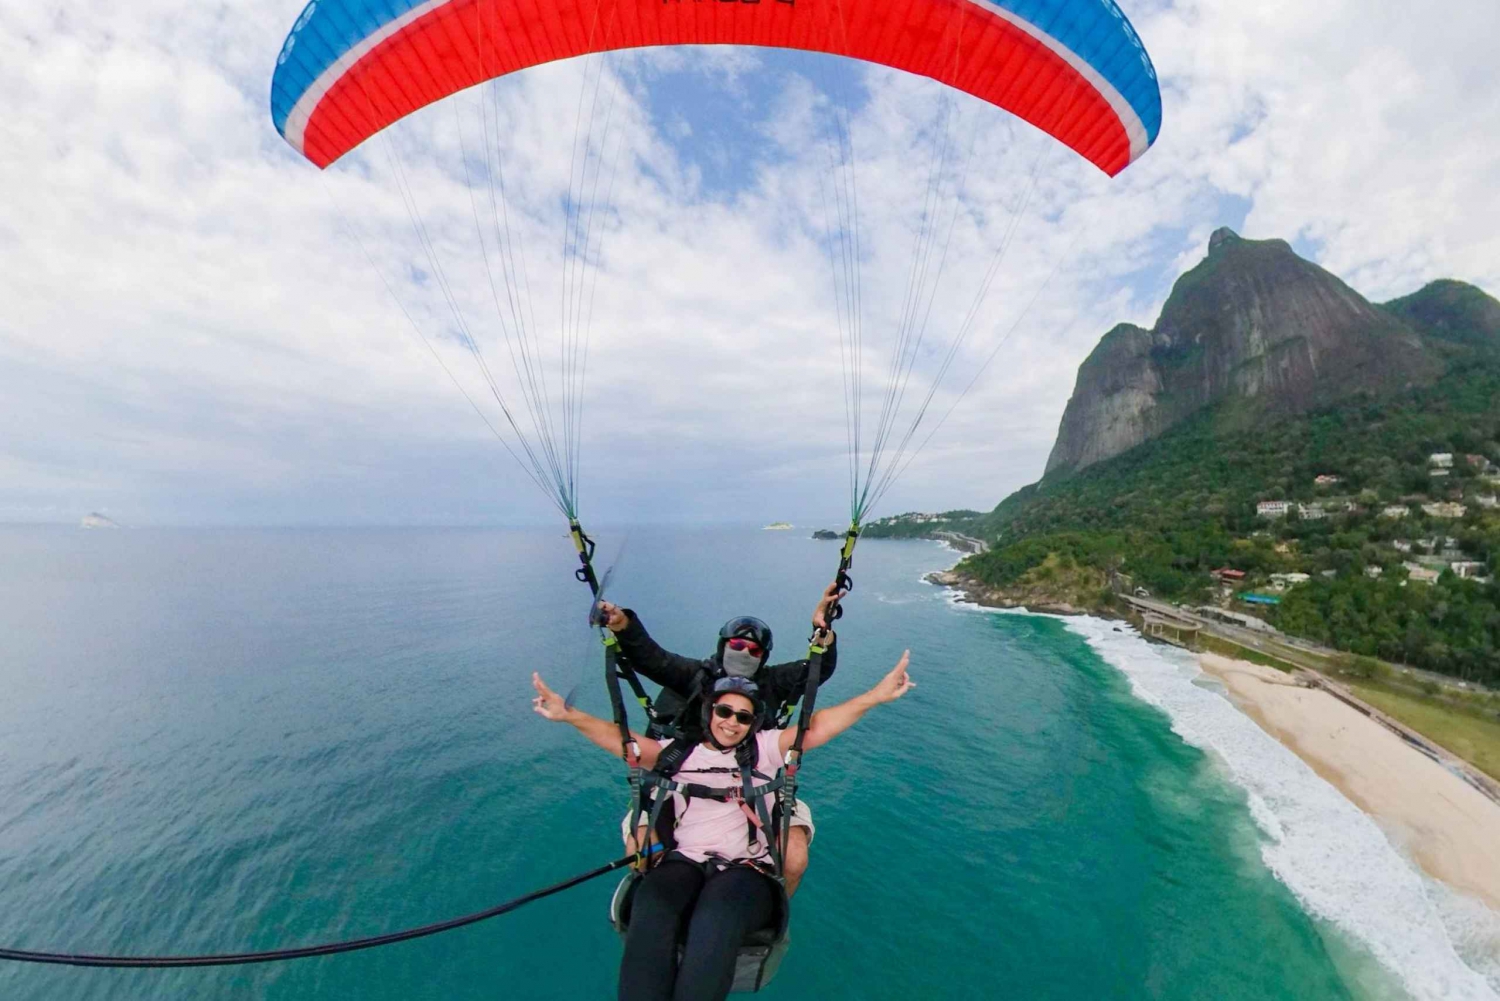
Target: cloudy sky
[196, 326]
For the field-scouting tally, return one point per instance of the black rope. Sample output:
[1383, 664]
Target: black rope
[305, 952]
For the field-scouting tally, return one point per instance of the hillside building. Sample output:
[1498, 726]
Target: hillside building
[1311, 512]
[1401, 545]
[1395, 511]
[1272, 509]
[1236, 619]
[1440, 460]
[1445, 509]
[1421, 574]
[1326, 480]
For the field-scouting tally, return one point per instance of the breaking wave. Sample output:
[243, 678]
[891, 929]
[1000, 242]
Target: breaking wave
[1329, 853]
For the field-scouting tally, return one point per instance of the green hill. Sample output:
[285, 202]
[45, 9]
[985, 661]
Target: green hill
[1399, 541]
[1370, 432]
[1452, 311]
[1171, 511]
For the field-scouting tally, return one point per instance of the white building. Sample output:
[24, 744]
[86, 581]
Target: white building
[1445, 509]
[1468, 569]
[1272, 509]
[1312, 512]
[1373, 571]
[1440, 460]
[1402, 545]
[1487, 500]
[1421, 574]
[1395, 511]
[1326, 480]
[1281, 581]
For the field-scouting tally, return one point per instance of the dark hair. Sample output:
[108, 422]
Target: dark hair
[743, 687]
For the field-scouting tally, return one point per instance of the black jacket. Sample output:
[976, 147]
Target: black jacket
[781, 685]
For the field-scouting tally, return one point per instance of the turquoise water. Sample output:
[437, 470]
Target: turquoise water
[228, 740]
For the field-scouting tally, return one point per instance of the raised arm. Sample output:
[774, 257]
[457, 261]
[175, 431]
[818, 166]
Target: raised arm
[829, 723]
[670, 670]
[789, 680]
[604, 734]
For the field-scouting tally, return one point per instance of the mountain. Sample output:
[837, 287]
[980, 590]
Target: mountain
[1452, 311]
[1252, 330]
[1386, 484]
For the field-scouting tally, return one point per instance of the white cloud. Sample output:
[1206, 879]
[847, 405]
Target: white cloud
[189, 333]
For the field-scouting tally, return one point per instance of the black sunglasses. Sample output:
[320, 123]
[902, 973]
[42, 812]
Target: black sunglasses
[741, 716]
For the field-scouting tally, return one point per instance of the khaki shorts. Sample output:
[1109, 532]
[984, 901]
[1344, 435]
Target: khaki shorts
[801, 817]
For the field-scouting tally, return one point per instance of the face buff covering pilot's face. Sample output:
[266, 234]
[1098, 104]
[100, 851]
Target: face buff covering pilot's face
[740, 663]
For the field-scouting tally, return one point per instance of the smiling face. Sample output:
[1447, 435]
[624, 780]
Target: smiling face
[731, 731]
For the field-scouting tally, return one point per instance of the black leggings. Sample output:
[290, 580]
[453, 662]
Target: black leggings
[710, 913]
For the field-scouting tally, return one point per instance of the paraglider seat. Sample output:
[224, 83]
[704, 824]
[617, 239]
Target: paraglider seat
[760, 954]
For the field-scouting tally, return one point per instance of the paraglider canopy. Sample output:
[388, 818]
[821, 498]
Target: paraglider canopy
[1073, 68]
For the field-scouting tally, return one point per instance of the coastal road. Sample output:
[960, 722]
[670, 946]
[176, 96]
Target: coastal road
[1293, 649]
[1276, 644]
[964, 543]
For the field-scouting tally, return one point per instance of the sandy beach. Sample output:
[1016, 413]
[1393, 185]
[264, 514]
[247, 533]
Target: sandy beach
[1447, 826]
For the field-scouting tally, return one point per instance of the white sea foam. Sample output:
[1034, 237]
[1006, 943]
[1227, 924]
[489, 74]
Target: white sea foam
[1332, 856]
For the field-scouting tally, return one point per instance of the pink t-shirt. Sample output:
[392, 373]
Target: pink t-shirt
[707, 828]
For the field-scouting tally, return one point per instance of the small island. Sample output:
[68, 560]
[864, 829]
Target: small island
[826, 535]
[778, 526]
[96, 520]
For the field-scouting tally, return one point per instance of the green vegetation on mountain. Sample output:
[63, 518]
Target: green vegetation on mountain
[1167, 513]
[1447, 310]
[915, 525]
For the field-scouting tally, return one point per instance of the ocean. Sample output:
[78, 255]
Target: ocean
[225, 740]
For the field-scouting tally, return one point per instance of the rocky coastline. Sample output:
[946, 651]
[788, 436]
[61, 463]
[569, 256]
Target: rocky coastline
[1031, 596]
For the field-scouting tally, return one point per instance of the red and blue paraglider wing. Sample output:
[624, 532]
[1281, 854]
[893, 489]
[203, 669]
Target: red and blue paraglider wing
[1073, 68]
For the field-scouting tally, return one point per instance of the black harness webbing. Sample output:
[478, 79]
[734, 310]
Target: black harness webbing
[787, 799]
[747, 792]
[659, 780]
[614, 667]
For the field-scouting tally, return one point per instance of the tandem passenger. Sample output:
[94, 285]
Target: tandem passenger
[711, 888]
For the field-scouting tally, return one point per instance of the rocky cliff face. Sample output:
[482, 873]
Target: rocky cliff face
[1253, 323]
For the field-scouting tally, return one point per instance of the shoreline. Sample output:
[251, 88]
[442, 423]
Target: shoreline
[971, 591]
[1444, 824]
[1359, 842]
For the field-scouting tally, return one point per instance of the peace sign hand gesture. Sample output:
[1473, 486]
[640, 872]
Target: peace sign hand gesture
[548, 704]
